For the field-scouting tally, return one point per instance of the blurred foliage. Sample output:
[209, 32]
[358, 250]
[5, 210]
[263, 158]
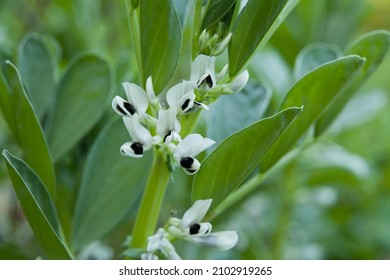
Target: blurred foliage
[331, 202]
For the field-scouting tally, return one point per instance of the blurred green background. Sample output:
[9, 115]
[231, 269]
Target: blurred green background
[332, 202]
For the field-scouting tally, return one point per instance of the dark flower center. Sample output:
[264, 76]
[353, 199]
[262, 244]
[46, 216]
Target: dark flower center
[194, 229]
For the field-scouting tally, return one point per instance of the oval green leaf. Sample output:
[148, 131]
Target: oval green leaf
[160, 34]
[29, 130]
[253, 28]
[313, 56]
[110, 185]
[37, 66]
[6, 102]
[234, 159]
[315, 92]
[372, 46]
[37, 207]
[82, 96]
[225, 116]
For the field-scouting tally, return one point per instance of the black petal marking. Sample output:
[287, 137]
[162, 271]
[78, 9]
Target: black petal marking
[185, 104]
[187, 162]
[191, 170]
[130, 108]
[194, 229]
[167, 135]
[120, 110]
[137, 148]
[208, 81]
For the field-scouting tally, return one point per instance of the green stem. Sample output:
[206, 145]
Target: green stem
[146, 221]
[133, 21]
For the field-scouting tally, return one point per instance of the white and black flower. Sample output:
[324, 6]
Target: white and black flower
[181, 97]
[136, 103]
[168, 127]
[203, 72]
[188, 148]
[141, 138]
[191, 228]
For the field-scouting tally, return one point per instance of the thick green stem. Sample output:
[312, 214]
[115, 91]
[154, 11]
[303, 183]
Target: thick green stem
[133, 21]
[146, 221]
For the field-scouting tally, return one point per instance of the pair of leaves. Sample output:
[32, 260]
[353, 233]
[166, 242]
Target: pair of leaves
[253, 28]
[160, 36]
[374, 47]
[25, 126]
[265, 142]
[81, 94]
[38, 207]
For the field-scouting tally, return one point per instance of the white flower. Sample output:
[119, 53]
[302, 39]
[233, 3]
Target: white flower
[203, 72]
[181, 97]
[160, 242]
[168, 127]
[187, 149]
[137, 101]
[142, 139]
[192, 229]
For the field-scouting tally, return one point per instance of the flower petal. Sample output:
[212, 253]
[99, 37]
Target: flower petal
[190, 165]
[168, 126]
[122, 107]
[132, 149]
[195, 214]
[181, 96]
[222, 240]
[137, 97]
[191, 146]
[200, 229]
[202, 68]
[138, 132]
[150, 90]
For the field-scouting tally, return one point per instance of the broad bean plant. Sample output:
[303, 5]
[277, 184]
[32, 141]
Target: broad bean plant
[193, 109]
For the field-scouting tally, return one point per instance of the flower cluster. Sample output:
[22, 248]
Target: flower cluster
[190, 228]
[143, 112]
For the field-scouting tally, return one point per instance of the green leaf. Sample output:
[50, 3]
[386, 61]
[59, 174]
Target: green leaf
[29, 131]
[225, 116]
[6, 102]
[372, 46]
[215, 11]
[313, 56]
[37, 66]
[82, 96]
[253, 28]
[160, 41]
[110, 185]
[235, 158]
[315, 92]
[37, 207]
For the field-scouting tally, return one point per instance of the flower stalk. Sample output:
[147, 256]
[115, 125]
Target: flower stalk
[146, 221]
